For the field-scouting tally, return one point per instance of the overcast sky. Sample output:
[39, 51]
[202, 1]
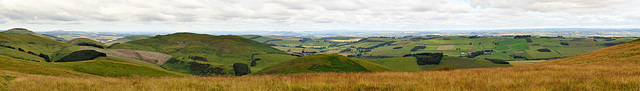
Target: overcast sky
[315, 15]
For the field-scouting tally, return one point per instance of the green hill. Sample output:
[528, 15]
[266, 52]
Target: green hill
[23, 66]
[26, 54]
[86, 42]
[29, 32]
[127, 39]
[323, 63]
[28, 47]
[110, 67]
[209, 51]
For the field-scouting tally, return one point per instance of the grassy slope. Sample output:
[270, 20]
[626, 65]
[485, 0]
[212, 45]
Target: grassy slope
[223, 50]
[108, 68]
[322, 63]
[30, 43]
[463, 63]
[612, 68]
[218, 49]
[87, 40]
[402, 64]
[127, 39]
[28, 32]
[22, 66]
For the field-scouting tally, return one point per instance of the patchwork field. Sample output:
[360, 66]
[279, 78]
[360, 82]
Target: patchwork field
[496, 48]
[445, 47]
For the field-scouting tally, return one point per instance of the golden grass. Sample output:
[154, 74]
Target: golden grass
[509, 78]
[349, 40]
[613, 68]
[445, 47]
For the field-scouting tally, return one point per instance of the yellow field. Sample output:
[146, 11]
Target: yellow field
[350, 40]
[445, 47]
[613, 68]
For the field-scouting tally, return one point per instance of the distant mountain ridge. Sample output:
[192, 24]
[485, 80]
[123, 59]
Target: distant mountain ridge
[29, 32]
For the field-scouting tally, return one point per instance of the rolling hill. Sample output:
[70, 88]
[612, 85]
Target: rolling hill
[211, 52]
[28, 47]
[34, 55]
[127, 39]
[29, 32]
[323, 63]
[86, 42]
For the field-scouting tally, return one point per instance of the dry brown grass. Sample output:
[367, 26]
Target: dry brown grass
[613, 68]
[445, 47]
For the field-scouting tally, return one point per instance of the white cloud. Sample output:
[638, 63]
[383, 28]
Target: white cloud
[331, 14]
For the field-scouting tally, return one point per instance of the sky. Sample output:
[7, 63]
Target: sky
[315, 15]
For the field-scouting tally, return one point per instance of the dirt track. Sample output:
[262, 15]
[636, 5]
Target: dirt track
[136, 55]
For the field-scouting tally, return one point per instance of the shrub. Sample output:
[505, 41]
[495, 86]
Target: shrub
[418, 47]
[198, 58]
[427, 58]
[498, 61]
[544, 50]
[241, 69]
[205, 69]
[445, 68]
[90, 44]
[82, 55]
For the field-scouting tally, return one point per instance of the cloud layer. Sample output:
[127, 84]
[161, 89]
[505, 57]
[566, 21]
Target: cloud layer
[316, 14]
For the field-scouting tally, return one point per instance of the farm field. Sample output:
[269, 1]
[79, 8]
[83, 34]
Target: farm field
[495, 48]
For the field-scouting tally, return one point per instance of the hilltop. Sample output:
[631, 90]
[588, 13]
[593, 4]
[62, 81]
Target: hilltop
[127, 39]
[29, 32]
[86, 42]
[204, 54]
[323, 63]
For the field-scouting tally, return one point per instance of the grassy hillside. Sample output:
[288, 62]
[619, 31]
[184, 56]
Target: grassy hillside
[86, 42]
[463, 63]
[216, 48]
[108, 68]
[408, 64]
[127, 39]
[29, 43]
[208, 49]
[23, 66]
[29, 32]
[322, 63]
[611, 68]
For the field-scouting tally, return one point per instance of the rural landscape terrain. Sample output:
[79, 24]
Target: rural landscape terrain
[32, 61]
[319, 45]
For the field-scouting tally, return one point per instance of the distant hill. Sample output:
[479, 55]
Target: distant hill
[86, 42]
[29, 32]
[27, 54]
[323, 63]
[127, 39]
[209, 51]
